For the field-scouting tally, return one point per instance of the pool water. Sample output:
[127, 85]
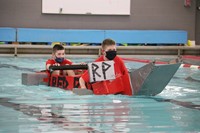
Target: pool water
[43, 109]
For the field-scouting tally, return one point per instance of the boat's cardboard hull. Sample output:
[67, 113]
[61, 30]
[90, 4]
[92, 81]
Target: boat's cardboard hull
[148, 80]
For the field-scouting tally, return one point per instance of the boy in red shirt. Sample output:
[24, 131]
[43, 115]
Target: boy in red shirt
[58, 59]
[109, 52]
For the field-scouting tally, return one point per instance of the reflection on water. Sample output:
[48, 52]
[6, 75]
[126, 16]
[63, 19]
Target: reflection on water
[97, 114]
[42, 109]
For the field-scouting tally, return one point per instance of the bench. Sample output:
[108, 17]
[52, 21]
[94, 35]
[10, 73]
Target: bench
[8, 34]
[148, 36]
[59, 35]
[163, 37]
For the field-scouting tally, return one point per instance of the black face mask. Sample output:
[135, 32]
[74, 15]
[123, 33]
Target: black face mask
[59, 60]
[111, 54]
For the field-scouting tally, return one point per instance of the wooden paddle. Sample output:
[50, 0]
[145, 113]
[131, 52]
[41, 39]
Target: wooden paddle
[68, 67]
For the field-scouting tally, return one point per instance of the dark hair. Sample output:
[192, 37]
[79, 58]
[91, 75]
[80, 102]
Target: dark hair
[57, 47]
[107, 42]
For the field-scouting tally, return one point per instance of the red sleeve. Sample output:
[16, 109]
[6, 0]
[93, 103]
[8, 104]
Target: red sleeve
[50, 61]
[122, 66]
[85, 76]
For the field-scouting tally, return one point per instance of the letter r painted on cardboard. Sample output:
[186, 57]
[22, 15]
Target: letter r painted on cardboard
[100, 71]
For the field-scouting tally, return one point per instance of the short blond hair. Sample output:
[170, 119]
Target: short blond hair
[107, 42]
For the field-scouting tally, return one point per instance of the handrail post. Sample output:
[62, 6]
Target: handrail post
[179, 52]
[99, 54]
[15, 50]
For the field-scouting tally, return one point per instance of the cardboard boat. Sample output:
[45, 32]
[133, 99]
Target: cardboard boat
[148, 80]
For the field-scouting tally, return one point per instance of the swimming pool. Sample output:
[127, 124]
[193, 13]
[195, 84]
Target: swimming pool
[43, 109]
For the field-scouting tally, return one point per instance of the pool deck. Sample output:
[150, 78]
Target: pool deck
[86, 51]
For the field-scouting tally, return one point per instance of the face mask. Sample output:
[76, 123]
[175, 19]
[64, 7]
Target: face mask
[59, 60]
[111, 54]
